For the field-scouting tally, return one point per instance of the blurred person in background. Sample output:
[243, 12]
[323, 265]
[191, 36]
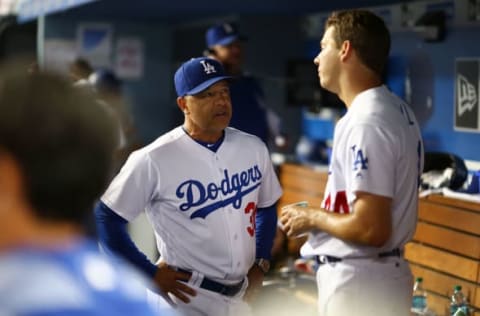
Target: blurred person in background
[109, 90]
[49, 180]
[79, 70]
[250, 112]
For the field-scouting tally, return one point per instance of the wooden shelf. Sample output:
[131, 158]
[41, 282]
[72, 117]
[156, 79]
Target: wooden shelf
[445, 250]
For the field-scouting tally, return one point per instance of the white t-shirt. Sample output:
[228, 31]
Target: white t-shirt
[200, 203]
[377, 148]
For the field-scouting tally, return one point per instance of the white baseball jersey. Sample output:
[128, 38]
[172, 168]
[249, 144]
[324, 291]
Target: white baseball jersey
[200, 203]
[377, 148]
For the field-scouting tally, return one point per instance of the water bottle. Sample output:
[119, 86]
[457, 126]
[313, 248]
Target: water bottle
[458, 304]
[419, 300]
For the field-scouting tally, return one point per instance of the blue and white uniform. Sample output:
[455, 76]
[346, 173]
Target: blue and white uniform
[202, 206]
[71, 279]
[377, 148]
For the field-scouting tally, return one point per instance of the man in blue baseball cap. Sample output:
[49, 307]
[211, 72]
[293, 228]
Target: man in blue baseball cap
[226, 44]
[198, 74]
[209, 191]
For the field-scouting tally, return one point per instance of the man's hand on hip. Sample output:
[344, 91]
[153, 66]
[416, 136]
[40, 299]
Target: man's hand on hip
[167, 280]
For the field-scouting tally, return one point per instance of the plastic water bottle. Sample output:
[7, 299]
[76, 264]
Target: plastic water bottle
[459, 304]
[419, 300]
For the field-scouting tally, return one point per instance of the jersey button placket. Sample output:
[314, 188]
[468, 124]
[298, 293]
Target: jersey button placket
[234, 239]
[221, 175]
[227, 215]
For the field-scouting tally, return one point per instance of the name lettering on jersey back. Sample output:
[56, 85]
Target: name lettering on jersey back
[235, 187]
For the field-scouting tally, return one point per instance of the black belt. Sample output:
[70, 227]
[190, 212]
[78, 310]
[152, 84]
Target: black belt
[214, 286]
[330, 259]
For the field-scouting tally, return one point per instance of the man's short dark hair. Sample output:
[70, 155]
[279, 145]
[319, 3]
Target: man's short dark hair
[61, 139]
[367, 33]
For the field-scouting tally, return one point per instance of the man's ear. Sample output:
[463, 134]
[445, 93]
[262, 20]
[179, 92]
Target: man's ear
[182, 104]
[345, 50]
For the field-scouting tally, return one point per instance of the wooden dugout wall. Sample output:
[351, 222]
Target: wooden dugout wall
[445, 250]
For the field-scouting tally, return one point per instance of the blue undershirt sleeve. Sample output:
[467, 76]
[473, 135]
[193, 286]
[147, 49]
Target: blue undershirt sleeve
[266, 227]
[113, 237]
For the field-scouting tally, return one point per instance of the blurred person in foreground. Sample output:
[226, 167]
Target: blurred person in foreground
[49, 180]
[369, 211]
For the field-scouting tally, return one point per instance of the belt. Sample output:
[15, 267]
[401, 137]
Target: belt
[214, 286]
[330, 259]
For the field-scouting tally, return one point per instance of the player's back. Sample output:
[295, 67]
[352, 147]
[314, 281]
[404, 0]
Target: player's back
[76, 280]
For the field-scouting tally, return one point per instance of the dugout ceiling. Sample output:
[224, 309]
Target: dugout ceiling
[180, 10]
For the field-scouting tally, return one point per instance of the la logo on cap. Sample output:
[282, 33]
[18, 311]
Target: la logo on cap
[197, 74]
[207, 67]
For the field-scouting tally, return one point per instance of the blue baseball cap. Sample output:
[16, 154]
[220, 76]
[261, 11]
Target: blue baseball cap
[222, 34]
[198, 74]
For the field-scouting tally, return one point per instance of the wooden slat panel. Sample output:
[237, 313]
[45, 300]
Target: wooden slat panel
[294, 182]
[449, 216]
[440, 199]
[301, 183]
[444, 238]
[476, 299]
[442, 284]
[305, 171]
[303, 178]
[290, 197]
[442, 261]
[439, 304]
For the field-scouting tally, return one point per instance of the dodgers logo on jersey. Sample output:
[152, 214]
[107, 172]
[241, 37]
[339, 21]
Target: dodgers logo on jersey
[360, 161]
[208, 68]
[235, 186]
